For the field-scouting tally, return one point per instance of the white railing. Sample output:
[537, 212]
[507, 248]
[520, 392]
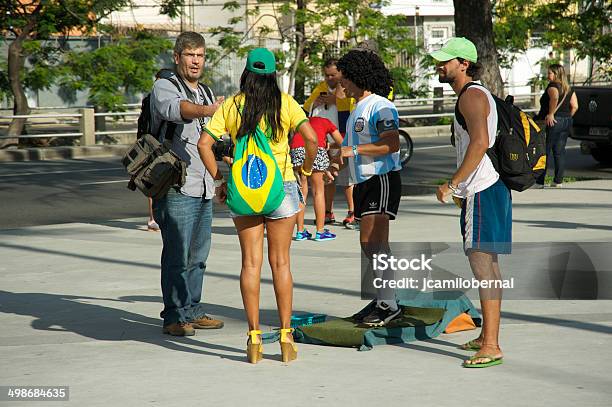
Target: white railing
[86, 122]
[87, 129]
[127, 105]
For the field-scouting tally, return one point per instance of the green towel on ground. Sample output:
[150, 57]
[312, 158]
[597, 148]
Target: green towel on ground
[425, 316]
[344, 332]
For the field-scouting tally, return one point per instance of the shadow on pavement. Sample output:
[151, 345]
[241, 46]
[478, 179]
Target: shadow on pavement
[67, 313]
[541, 224]
[312, 287]
[266, 316]
[421, 348]
[567, 323]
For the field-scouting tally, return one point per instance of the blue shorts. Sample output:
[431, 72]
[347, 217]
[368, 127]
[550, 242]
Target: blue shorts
[486, 220]
[290, 205]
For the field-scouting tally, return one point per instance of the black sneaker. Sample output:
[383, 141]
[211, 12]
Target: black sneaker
[358, 317]
[381, 315]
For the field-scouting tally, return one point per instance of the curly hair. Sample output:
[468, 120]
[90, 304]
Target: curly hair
[367, 71]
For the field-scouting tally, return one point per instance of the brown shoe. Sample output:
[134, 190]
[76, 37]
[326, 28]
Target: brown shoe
[179, 329]
[207, 322]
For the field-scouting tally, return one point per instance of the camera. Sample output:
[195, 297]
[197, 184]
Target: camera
[223, 148]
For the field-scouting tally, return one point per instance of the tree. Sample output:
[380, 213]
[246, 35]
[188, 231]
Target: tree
[38, 20]
[113, 71]
[313, 29]
[474, 20]
[583, 26]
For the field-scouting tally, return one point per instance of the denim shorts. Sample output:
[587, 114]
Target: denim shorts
[290, 205]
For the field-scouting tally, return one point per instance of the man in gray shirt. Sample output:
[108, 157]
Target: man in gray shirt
[180, 107]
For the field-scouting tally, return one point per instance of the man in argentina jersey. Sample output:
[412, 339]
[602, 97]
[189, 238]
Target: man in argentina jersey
[486, 206]
[371, 150]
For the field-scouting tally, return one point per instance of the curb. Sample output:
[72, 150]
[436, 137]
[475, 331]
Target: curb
[62, 153]
[117, 150]
[428, 131]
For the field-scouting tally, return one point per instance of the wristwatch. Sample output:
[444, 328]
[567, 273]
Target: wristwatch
[219, 182]
[452, 187]
[355, 152]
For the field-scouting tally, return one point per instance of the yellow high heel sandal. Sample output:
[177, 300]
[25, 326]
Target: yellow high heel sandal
[254, 346]
[288, 348]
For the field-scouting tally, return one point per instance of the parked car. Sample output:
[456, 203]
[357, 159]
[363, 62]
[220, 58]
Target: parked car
[593, 122]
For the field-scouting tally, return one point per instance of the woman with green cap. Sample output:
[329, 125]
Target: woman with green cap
[260, 106]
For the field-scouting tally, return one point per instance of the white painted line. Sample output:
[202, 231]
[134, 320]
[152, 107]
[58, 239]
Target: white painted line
[23, 174]
[449, 146]
[106, 182]
[432, 147]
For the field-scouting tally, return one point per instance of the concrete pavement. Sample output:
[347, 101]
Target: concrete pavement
[79, 306]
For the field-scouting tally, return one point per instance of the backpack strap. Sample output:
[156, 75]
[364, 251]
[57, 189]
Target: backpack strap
[207, 91]
[461, 121]
[561, 102]
[170, 126]
[189, 92]
[458, 115]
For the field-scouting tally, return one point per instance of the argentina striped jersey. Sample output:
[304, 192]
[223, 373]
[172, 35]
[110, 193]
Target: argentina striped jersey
[372, 116]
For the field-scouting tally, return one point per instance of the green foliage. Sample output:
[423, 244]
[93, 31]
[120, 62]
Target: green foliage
[5, 88]
[566, 180]
[231, 5]
[326, 23]
[563, 24]
[171, 8]
[115, 70]
[44, 65]
[108, 73]
[444, 120]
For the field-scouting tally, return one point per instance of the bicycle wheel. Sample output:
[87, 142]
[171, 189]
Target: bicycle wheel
[406, 147]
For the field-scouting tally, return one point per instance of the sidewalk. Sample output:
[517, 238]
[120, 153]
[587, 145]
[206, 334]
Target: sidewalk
[79, 306]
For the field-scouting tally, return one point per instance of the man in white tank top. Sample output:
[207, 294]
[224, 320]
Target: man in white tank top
[486, 209]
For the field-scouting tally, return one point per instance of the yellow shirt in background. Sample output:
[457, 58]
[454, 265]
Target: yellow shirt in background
[344, 105]
[226, 120]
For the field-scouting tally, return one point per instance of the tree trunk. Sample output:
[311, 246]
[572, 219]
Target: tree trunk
[16, 62]
[300, 38]
[474, 20]
[294, 80]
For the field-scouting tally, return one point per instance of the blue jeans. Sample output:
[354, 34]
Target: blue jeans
[556, 138]
[185, 223]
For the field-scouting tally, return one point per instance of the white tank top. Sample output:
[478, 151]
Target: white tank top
[484, 175]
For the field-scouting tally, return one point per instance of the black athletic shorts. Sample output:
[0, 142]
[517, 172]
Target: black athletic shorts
[379, 194]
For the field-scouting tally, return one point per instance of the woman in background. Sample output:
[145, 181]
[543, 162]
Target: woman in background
[557, 106]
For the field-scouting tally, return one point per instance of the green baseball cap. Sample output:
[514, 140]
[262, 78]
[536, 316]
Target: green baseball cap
[263, 56]
[456, 47]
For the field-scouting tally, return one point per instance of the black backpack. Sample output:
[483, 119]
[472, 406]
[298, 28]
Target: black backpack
[144, 119]
[519, 152]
